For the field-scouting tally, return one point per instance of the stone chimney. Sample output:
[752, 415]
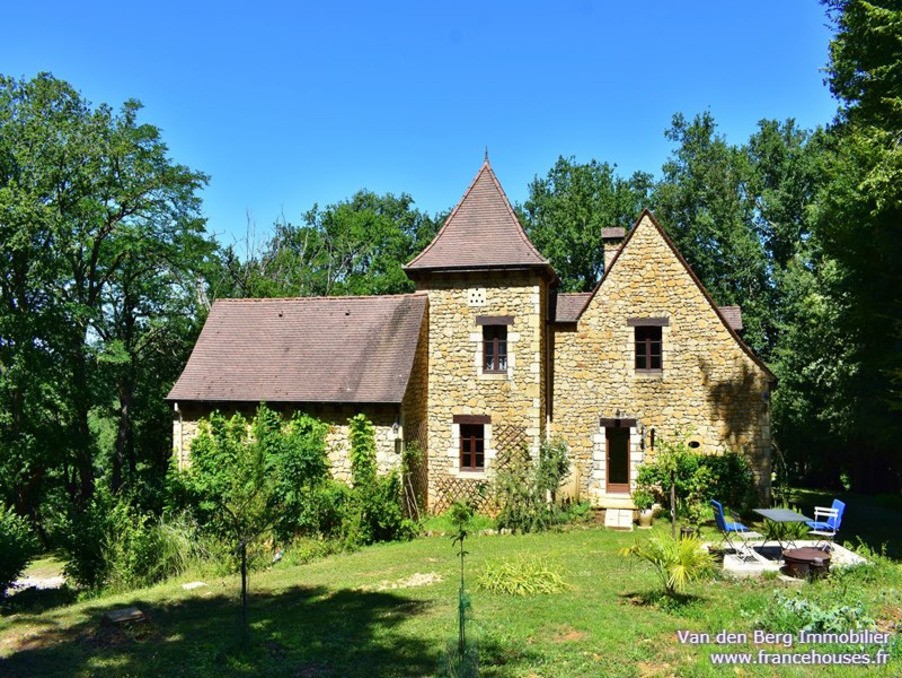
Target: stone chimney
[611, 239]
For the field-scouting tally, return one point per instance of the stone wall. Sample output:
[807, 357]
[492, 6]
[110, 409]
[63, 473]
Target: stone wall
[415, 403]
[457, 384]
[187, 416]
[708, 386]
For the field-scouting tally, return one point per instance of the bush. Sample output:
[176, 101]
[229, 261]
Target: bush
[676, 562]
[526, 492]
[522, 577]
[697, 478]
[17, 546]
[113, 545]
[301, 497]
[795, 613]
[375, 510]
[731, 480]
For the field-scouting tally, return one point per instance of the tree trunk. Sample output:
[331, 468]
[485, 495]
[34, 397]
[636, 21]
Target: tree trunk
[124, 452]
[244, 586]
[81, 444]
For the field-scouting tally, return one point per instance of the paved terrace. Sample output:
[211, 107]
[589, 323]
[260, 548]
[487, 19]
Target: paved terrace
[769, 558]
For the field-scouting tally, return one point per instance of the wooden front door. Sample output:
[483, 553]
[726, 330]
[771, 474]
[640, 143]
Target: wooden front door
[618, 456]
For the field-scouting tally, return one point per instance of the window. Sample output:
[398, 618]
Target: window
[494, 348]
[472, 447]
[648, 348]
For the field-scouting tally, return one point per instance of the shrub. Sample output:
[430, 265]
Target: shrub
[697, 478]
[311, 502]
[676, 562]
[521, 577]
[643, 498]
[290, 458]
[17, 546]
[731, 480]
[113, 545]
[375, 510]
[526, 492]
[795, 613]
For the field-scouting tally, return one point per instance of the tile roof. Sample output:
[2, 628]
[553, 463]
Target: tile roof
[314, 349]
[733, 316]
[482, 232]
[568, 306]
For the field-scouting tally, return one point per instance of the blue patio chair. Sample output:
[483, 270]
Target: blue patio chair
[731, 528]
[826, 521]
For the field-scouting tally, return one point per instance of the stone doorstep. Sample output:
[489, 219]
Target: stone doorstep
[618, 519]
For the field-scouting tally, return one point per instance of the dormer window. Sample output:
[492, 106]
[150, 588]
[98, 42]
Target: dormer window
[494, 348]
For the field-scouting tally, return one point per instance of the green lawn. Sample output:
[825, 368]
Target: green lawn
[354, 614]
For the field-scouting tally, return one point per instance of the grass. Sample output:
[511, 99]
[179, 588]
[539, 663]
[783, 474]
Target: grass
[391, 610]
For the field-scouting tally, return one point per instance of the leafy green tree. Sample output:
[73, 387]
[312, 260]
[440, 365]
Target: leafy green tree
[703, 202]
[98, 227]
[567, 209]
[357, 246]
[784, 165]
[858, 220]
[234, 475]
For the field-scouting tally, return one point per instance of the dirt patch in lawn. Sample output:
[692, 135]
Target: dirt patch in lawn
[568, 634]
[413, 581]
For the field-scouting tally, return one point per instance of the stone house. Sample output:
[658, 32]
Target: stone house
[488, 356]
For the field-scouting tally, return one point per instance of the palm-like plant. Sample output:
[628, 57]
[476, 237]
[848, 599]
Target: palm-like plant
[677, 562]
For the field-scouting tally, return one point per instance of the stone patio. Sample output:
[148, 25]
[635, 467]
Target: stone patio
[769, 558]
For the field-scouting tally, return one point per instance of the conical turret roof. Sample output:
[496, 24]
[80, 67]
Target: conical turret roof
[483, 232]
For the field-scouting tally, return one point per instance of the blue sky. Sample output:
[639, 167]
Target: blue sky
[287, 104]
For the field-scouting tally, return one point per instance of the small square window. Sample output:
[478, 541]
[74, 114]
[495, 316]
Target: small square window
[472, 447]
[648, 349]
[494, 348]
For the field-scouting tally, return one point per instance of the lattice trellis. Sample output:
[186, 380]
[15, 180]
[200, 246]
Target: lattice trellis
[476, 492]
[509, 441]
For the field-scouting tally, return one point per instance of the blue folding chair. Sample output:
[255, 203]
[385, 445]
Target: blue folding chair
[826, 522]
[731, 528]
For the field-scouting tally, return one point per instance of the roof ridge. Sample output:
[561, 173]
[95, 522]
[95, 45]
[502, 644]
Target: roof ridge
[344, 297]
[482, 168]
[484, 215]
[698, 283]
[513, 214]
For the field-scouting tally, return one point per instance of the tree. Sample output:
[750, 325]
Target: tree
[234, 474]
[784, 177]
[703, 202]
[357, 246]
[857, 219]
[101, 243]
[567, 209]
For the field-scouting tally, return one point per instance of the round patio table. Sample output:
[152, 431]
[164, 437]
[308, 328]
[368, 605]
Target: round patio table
[807, 561]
